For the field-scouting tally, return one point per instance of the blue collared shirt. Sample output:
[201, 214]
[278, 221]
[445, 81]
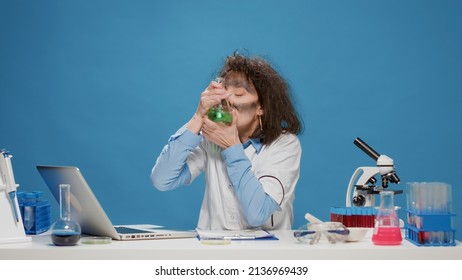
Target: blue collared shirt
[255, 142]
[171, 171]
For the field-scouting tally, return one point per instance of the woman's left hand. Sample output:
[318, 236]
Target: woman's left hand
[221, 134]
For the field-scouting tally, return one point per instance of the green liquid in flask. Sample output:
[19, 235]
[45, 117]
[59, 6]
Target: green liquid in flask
[217, 114]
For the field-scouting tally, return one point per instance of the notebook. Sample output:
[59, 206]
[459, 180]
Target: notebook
[87, 210]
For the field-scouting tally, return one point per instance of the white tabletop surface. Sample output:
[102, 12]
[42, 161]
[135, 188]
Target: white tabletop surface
[287, 247]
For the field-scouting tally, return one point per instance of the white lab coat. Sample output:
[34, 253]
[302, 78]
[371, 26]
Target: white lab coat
[277, 166]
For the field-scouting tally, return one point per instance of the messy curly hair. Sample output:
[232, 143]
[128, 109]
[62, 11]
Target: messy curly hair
[273, 93]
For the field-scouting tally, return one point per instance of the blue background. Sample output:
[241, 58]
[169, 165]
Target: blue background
[103, 84]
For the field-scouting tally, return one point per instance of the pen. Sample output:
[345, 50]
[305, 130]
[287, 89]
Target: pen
[236, 237]
[240, 237]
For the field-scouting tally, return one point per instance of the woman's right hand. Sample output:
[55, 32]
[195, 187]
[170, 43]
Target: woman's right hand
[211, 96]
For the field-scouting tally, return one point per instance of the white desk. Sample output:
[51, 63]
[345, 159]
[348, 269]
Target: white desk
[285, 248]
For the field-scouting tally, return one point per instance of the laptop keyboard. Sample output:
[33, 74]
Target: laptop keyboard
[127, 230]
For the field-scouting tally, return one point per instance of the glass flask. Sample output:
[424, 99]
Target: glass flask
[65, 231]
[386, 229]
[221, 112]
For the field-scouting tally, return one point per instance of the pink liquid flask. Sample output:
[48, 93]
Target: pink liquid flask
[386, 229]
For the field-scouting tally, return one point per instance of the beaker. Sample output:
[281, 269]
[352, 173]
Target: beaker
[221, 112]
[386, 229]
[65, 231]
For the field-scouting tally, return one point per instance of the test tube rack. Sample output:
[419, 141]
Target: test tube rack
[429, 214]
[354, 216]
[430, 229]
[37, 218]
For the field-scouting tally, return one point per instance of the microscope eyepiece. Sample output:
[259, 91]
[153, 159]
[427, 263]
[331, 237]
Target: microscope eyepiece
[368, 150]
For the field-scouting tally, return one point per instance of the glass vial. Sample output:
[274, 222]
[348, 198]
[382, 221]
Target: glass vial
[386, 229]
[29, 204]
[65, 231]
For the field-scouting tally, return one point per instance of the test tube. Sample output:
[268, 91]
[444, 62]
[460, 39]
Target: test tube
[29, 217]
[30, 199]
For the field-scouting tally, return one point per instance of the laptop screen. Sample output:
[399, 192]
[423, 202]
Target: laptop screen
[85, 207]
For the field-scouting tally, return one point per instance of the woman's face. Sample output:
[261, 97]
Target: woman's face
[244, 99]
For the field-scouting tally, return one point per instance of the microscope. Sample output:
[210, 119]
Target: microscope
[365, 188]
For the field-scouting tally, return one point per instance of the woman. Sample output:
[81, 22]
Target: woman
[251, 165]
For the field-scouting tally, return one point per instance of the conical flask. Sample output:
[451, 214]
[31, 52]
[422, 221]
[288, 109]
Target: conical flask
[65, 231]
[386, 229]
[221, 112]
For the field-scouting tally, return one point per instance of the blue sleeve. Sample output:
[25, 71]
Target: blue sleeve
[257, 205]
[171, 170]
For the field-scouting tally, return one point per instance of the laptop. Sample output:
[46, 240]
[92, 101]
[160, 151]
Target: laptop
[87, 210]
